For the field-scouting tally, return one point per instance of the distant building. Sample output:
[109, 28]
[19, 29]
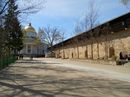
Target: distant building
[32, 44]
[105, 41]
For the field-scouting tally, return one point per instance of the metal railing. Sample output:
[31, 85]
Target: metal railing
[6, 61]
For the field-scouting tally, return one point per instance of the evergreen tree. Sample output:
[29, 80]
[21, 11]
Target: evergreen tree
[13, 28]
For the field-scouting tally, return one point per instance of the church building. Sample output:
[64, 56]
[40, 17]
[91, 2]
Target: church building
[32, 44]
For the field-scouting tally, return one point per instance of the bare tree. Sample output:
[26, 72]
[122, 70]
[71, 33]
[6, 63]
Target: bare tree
[50, 35]
[3, 6]
[25, 6]
[62, 36]
[30, 6]
[79, 27]
[89, 22]
[91, 18]
[126, 3]
[91, 15]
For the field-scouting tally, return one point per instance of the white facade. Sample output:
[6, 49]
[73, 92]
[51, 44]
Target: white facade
[32, 44]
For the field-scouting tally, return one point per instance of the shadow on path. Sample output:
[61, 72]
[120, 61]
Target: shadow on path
[41, 80]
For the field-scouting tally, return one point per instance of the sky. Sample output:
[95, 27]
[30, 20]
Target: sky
[64, 14]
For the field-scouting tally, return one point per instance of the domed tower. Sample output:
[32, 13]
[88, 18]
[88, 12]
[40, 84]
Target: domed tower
[29, 31]
[31, 46]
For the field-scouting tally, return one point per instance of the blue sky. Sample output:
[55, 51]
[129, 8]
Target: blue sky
[66, 13]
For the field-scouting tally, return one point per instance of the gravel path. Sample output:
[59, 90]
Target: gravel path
[50, 78]
[110, 71]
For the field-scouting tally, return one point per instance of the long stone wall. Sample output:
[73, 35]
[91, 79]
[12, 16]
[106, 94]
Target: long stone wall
[102, 47]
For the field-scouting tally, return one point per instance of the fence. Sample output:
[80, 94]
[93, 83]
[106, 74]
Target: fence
[5, 61]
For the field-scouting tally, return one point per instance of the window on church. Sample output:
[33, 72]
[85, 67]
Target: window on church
[29, 48]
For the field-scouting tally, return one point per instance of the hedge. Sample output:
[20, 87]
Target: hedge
[6, 61]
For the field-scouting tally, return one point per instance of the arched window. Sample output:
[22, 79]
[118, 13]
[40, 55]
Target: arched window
[86, 54]
[111, 52]
[29, 48]
[72, 55]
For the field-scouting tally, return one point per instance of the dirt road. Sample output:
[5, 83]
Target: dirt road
[50, 78]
